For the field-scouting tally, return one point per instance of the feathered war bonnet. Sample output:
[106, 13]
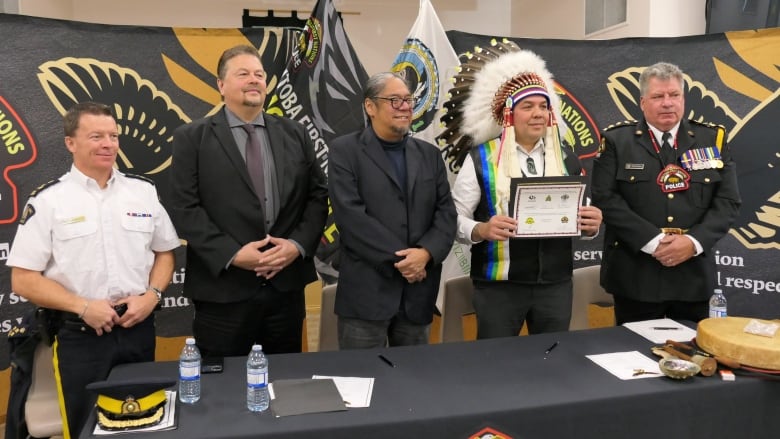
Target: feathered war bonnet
[488, 84]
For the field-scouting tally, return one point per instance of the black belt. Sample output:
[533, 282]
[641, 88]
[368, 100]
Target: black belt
[72, 322]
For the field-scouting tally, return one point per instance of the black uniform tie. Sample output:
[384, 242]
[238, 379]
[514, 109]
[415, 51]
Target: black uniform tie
[254, 161]
[667, 151]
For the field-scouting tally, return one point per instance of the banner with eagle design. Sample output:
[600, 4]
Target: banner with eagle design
[159, 78]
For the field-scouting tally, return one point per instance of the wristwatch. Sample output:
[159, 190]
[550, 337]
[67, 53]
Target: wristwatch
[159, 295]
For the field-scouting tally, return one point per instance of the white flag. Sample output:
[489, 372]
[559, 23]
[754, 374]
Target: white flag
[428, 62]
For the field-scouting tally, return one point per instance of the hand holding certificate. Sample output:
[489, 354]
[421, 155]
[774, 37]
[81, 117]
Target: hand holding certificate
[547, 206]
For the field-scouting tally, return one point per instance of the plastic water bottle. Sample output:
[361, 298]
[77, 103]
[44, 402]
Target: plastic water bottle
[718, 304]
[257, 397]
[189, 373]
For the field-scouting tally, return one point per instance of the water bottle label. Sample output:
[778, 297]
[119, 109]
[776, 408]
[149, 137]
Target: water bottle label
[189, 372]
[715, 313]
[256, 379]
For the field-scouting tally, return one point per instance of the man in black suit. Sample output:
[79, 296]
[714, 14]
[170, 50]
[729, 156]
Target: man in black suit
[252, 224]
[393, 208]
[668, 191]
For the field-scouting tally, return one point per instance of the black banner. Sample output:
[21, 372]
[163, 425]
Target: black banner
[732, 80]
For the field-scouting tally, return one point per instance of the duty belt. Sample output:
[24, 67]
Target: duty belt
[673, 231]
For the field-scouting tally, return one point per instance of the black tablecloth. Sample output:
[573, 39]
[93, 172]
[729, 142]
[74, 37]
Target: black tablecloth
[456, 390]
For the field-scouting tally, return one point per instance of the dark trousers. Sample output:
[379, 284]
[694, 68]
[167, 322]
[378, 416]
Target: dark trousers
[629, 310]
[367, 334]
[82, 357]
[272, 318]
[503, 307]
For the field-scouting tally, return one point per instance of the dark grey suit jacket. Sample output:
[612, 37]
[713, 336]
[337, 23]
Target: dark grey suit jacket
[375, 219]
[216, 210]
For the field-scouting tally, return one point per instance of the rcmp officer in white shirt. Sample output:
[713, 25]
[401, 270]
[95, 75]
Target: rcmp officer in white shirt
[96, 245]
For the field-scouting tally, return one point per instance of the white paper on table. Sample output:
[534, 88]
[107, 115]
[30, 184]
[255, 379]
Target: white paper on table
[355, 391]
[660, 330]
[625, 364]
[168, 422]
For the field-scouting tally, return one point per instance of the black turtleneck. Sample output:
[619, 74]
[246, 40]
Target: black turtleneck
[396, 152]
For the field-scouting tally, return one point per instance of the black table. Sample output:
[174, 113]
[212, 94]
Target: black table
[455, 390]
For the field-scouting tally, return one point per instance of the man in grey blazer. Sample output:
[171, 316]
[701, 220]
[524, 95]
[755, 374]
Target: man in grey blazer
[250, 240]
[396, 220]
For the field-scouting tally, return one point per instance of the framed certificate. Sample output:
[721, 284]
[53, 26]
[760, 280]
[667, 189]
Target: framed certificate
[546, 206]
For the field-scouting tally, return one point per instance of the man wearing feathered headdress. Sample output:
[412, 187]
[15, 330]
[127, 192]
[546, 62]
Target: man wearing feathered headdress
[511, 116]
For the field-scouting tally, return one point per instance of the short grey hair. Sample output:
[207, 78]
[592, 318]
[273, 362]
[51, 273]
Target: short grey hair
[376, 83]
[663, 71]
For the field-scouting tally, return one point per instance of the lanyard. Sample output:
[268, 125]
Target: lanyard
[655, 145]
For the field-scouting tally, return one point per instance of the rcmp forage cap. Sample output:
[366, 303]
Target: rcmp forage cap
[129, 404]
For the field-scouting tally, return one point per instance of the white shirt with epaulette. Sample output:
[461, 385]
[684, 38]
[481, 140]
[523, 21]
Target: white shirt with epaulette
[97, 243]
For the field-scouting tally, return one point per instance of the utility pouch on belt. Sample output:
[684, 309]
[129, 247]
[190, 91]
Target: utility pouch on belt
[49, 322]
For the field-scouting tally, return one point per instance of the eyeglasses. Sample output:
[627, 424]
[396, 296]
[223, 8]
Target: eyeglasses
[531, 166]
[396, 102]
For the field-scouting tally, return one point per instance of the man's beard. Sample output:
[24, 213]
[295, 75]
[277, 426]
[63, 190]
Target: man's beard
[253, 103]
[401, 131]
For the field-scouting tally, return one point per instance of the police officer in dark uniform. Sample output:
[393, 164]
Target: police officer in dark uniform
[667, 188]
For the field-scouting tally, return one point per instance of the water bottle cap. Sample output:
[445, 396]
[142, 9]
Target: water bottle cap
[718, 291]
[189, 340]
[257, 347]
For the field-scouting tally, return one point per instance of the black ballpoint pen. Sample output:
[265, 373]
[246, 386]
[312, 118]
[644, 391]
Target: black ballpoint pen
[665, 328]
[388, 362]
[550, 348]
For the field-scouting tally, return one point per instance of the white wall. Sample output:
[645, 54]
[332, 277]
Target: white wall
[644, 18]
[377, 28]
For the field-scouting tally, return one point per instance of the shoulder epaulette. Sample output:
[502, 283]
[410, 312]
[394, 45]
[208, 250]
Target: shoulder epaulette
[44, 186]
[706, 124]
[720, 131]
[625, 123]
[140, 177]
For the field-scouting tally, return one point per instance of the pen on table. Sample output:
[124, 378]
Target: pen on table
[388, 362]
[665, 328]
[550, 349]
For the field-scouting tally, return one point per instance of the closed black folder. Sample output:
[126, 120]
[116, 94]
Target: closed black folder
[299, 396]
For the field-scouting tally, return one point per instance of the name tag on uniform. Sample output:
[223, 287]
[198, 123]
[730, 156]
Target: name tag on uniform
[74, 220]
[635, 166]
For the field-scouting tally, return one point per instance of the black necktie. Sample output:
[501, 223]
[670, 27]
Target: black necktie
[254, 161]
[667, 152]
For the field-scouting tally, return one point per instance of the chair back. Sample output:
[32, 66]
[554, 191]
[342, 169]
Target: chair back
[328, 320]
[42, 410]
[587, 290]
[456, 302]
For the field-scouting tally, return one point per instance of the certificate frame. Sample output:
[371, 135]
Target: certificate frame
[546, 207]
